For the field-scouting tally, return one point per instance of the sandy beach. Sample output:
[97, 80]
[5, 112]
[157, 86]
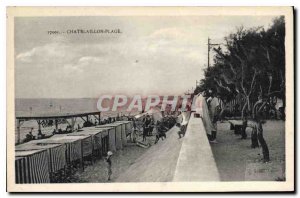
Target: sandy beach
[121, 161]
[237, 161]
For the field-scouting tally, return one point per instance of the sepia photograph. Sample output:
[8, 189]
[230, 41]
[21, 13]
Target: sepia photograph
[156, 99]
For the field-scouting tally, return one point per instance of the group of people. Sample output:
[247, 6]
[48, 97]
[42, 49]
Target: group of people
[210, 107]
[148, 125]
[161, 130]
[158, 128]
[30, 136]
[69, 129]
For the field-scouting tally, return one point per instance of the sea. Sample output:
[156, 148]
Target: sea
[62, 106]
[52, 106]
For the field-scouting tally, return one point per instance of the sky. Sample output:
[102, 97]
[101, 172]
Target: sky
[152, 54]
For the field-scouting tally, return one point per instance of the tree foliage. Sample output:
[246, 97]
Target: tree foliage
[252, 64]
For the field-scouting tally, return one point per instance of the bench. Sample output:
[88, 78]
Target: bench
[236, 125]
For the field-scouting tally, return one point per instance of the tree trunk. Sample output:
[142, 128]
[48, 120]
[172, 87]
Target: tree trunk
[243, 109]
[254, 140]
[248, 103]
[264, 146]
[254, 108]
[243, 129]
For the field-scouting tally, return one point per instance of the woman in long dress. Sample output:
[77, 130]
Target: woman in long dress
[201, 108]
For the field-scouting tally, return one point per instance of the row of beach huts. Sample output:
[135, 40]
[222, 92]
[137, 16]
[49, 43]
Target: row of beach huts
[53, 159]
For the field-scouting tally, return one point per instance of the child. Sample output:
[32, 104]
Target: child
[108, 160]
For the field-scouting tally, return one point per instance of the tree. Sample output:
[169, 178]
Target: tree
[252, 65]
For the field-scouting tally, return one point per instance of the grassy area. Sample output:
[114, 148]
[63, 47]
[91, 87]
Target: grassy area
[237, 161]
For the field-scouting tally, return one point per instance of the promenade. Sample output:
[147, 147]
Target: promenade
[187, 159]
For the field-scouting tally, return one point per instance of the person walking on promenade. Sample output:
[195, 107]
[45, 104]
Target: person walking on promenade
[151, 127]
[202, 108]
[215, 108]
[160, 131]
[145, 131]
[109, 164]
[181, 130]
[134, 131]
[146, 127]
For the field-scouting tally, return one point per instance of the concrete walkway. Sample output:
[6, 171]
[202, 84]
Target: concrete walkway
[158, 163]
[187, 159]
[196, 161]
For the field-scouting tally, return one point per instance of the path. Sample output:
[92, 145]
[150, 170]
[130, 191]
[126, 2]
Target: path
[158, 163]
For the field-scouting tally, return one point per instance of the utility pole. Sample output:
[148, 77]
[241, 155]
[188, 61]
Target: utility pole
[209, 45]
[208, 49]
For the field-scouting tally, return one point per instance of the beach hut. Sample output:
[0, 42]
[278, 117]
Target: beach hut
[56, 154]
[128, 128]
[118, 133]
[31, 167]
[86, 142]
[96, 139]
[104, 142]
[73, 147]
[111, 136]
[124, 137]
[78, 147]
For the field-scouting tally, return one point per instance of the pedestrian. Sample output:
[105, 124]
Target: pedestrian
[160, 131]
[151, 127]
[134, 131]
[109, 164]
[202, 110]
[214, 109]
[145, 131]
[181, 130]
[146, 127]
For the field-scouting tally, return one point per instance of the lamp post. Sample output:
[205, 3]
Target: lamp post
[209, 46]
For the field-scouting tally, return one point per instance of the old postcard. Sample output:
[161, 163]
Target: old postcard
[150, 99]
